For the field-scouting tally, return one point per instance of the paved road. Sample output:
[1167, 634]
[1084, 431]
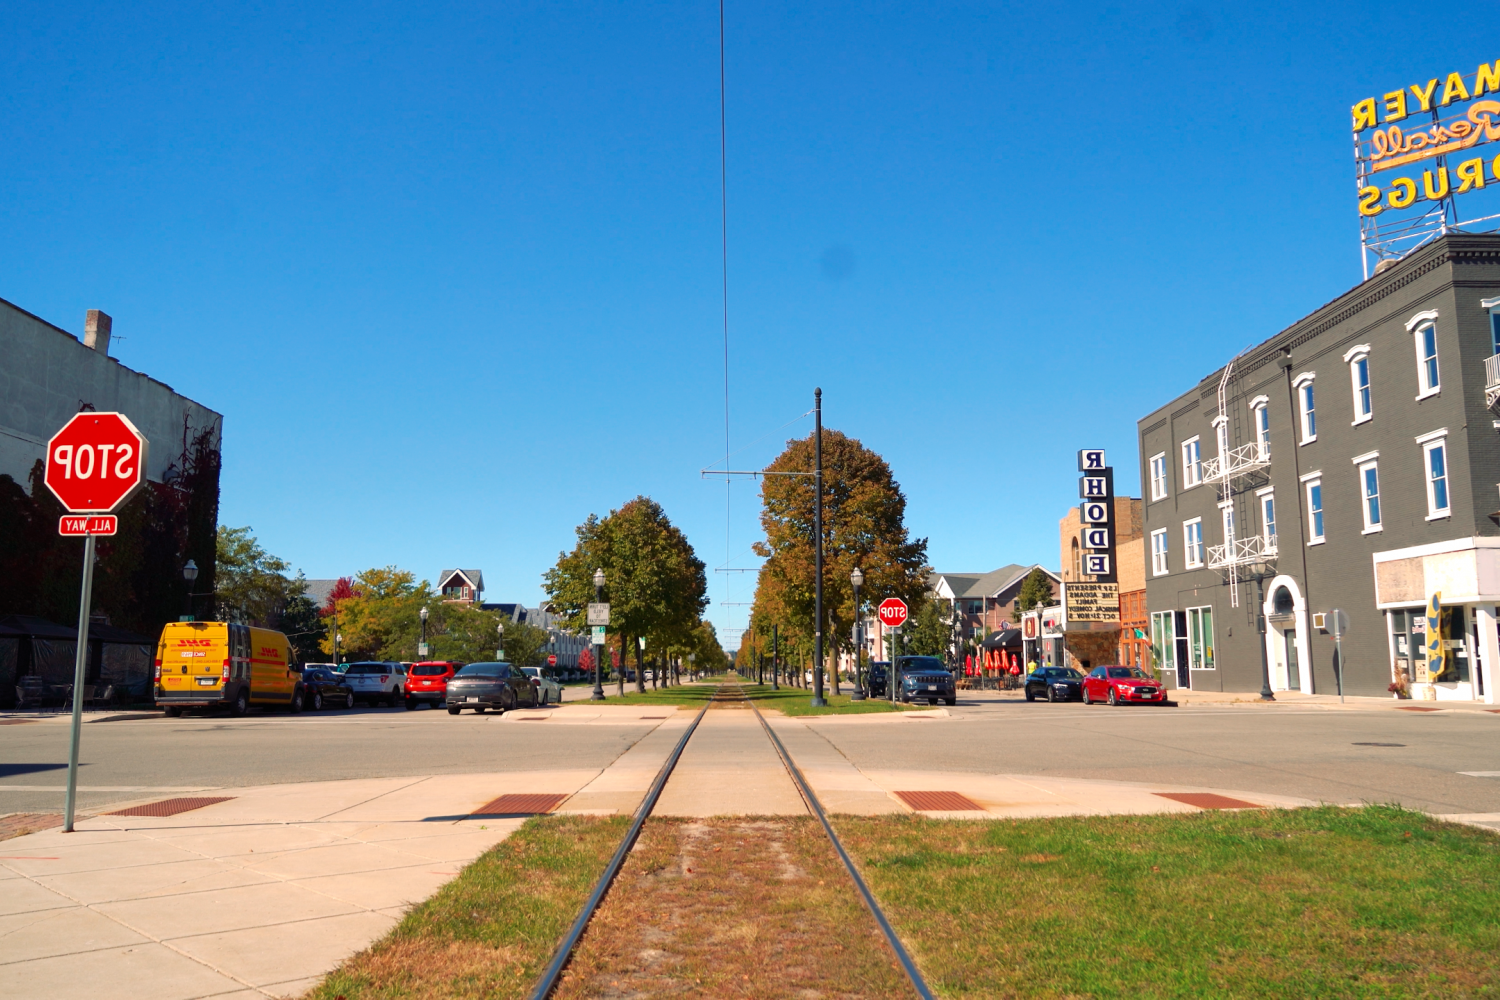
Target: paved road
[1284, 750]
[126, 760]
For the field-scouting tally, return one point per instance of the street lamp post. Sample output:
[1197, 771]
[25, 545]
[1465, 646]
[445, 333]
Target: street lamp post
[1260, 619]
[598, 694]
[817, 699]
[422, 647]
[858, 579]
[190, 573]
[337, 638]
[500, 641]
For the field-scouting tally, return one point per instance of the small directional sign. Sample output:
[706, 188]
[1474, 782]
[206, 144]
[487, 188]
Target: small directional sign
[88, 524]
[599, 614]
[598, 636]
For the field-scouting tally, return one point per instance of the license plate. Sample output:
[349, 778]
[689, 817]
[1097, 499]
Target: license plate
[207, 681]
[930, 687]
[471, 698]
[1148, 691]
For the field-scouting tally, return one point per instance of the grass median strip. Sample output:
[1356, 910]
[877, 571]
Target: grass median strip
[795, 701]
[489, 932]
[1267, 903]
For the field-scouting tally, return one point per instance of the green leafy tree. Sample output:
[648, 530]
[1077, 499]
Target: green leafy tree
[864, 525]
[252, 586]
[928, 631]
[1036, 591]
[304, 627]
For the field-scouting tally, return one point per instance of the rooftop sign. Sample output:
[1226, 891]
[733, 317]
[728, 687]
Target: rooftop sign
[1415, 149]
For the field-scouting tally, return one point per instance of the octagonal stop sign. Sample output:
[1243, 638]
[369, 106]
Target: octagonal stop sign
[892, 612]
[96, 462]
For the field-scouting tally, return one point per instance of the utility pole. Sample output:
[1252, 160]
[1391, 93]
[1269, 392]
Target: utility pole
[817, 699]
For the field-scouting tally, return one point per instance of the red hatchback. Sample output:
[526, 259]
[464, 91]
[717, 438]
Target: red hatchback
[1119, 685]
[428, 681]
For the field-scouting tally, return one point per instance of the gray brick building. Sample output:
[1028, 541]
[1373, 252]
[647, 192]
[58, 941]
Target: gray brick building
[1350, 462]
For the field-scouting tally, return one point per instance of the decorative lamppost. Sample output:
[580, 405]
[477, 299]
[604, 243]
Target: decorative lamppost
[422, 646]
[500, 641]
[598, 694]
[190, 573]
[858, 579]
[1261, 570]
[337, 638]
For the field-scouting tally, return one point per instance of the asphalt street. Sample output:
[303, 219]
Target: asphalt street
[128, 759]
[1315, 753]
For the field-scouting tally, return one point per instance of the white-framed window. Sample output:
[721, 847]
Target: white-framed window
[1192, 462]
[1435, 472]
[1163, 641]
[1260, 412]
[1267, 498]
[1159, 476]
[1221, 437]
[1313, 484]
[1423, 326]
[1159, 552]
[1226, 520]
[1369, 490]
[1306, 407]
[1192, 543]
[1493, 306]
[1200, 627]
[1358, 358]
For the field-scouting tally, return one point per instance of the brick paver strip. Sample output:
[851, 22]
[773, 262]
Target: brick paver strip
[15, 722]
[170, 807]
[523, 804]
[20, 824]
[1208, 800]
[939, 802]
[1417, 708]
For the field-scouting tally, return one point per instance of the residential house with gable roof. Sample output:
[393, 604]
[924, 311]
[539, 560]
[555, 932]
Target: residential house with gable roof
[461, 586]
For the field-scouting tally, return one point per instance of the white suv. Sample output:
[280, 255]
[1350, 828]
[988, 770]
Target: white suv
[377, 680]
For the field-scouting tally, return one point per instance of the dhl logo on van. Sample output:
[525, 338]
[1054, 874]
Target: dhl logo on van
[270, 651]
[195, 642]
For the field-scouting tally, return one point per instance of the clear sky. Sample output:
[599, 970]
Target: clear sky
[452, 273]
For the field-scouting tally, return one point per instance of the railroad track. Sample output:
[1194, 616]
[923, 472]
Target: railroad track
[734, 694]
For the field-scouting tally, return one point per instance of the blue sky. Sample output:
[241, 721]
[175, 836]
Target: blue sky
[451, 272]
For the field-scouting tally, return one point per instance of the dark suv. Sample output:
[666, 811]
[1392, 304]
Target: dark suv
[876, 676]
[925, 677]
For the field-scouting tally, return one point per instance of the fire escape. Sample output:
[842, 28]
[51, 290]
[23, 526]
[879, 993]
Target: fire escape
[1228, 467]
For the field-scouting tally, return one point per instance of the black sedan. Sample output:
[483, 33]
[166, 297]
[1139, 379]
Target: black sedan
[322, 688]
[483, 686]
[1054, 684]
[925, 677]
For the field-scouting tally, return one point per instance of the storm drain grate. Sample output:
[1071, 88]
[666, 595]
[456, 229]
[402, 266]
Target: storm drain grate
[170, 807]
[520, 804]
[939, 802]
[1207, 800]
[1417, 708]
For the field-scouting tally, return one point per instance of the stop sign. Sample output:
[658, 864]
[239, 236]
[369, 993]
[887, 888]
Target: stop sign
[892, 612]
[96, 462]
[552, 659]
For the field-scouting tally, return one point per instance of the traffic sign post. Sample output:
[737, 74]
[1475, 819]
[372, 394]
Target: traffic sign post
[551, 659]
[1339, 626]
[94, 464]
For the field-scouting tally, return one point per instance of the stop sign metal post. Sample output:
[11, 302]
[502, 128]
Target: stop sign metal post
[893, 613]
[94, 464]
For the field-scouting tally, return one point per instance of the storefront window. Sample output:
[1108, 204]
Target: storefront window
[1201, 638]
[1162, 641]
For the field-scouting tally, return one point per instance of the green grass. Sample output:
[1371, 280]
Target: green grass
[690, 695]
[795, 701]
[1328, 902]
[489, 932]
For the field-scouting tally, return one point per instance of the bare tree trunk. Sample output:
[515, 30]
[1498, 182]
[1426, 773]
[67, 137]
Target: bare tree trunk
[640, 670]
[624, 659]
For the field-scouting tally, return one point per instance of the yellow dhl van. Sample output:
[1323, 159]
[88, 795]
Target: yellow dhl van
[215, 663]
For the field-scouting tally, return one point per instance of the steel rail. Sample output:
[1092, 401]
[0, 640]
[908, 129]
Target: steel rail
[549, 979]
[816, 807]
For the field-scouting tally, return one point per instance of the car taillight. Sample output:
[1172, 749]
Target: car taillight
[158, 671]
[224, 673]
[384, 678]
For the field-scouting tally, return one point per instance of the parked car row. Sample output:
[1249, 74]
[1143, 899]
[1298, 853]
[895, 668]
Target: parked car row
[1116, 685]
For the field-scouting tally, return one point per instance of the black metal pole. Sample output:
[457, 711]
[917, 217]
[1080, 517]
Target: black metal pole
[1260, 618]
[859, 684]
[817, 699]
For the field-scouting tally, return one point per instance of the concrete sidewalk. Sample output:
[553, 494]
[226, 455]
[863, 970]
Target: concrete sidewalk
[257, 896]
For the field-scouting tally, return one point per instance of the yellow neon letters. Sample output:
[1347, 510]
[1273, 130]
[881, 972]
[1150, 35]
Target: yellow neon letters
[1395, 106]
[1487, 79]
[1369, 198]
[1454, 90]
[1425, 96]
[1470, 174]
[1364, 114]
[1403, 193]
[1431, 193]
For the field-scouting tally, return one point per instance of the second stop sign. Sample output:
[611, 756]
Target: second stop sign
[96, 462]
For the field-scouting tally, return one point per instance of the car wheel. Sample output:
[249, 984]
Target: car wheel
[453, 711]
[411, 703]
[546, 697]
[1052, 694]
[508, 701]
[1086, 699]
[173, 713]
[317, 705]
[241, 702]
[349, 701]
[1029, 695]
[1114, 699]
[953, 700]
[297, 701]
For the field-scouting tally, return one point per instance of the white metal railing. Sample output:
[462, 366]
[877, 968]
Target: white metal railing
[1491, 380]
[1241, 552]
[1245, 459]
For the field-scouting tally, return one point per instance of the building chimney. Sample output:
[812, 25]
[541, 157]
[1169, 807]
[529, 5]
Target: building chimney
[96, 331]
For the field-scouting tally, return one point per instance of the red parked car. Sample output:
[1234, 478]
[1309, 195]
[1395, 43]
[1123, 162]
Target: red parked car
[428, 681]
[1121, 685]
